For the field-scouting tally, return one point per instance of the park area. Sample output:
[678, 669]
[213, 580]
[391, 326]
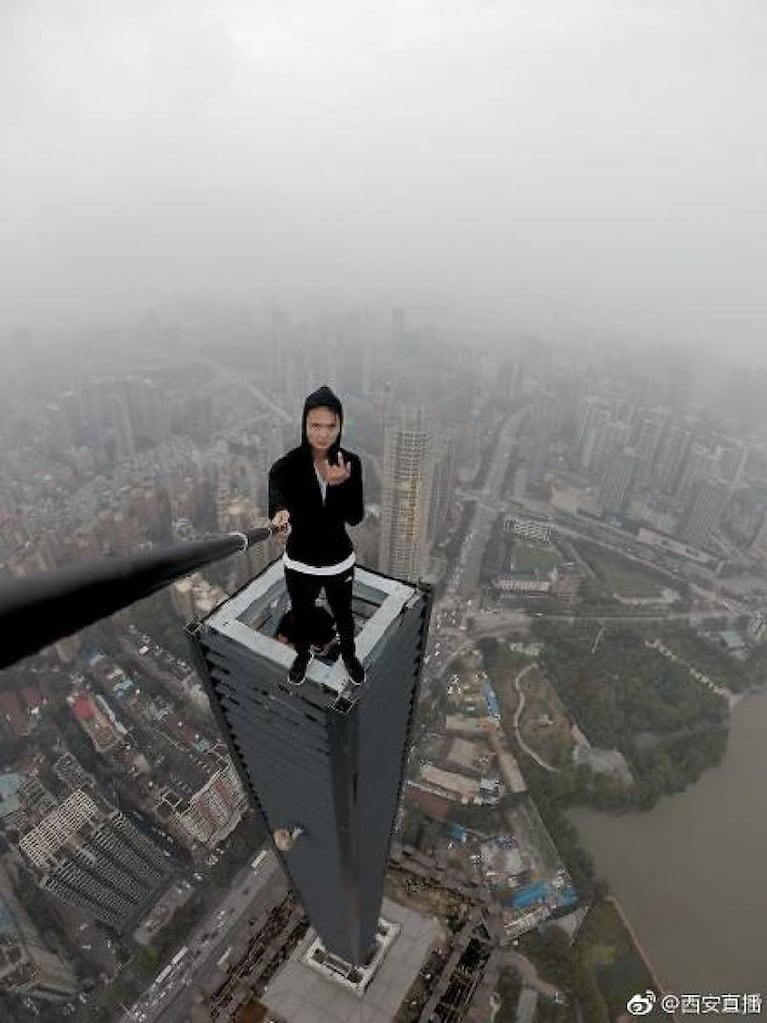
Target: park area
[607, 949]
[544, 722]
[709, 657]
[534, 557]
[627, 697]
[620, 576]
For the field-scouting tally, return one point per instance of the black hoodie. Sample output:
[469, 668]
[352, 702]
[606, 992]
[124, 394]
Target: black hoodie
[318, 532]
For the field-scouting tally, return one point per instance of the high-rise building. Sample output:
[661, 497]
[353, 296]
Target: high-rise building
[89, 855]
[408, 476]
[585, 415]
[149, 410]
[324, 762]
[355, 365]
[27, 967]
[208, 815]
[239, 515]
[671, 457]
[648, 440]
[69, 770]
[106, 407]
[541, 425]
[616, 482]
[194, 595]
[278, 438]
[701, 463]
[593, 445]
[703, 512]
[568, 397]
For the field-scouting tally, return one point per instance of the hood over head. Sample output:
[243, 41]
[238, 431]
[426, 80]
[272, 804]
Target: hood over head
[323, 396]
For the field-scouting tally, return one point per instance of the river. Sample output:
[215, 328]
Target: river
[692, 873]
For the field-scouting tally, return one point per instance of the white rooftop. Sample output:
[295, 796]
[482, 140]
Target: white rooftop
[302, 995]
[243, 616]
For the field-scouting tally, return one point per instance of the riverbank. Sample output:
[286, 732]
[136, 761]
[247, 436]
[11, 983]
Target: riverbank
[615, 955]
[689, 873]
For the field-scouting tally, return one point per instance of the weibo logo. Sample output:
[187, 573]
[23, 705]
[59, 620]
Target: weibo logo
[641, 1005]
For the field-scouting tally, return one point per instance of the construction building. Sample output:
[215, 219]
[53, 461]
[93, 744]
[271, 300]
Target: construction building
[408, 481]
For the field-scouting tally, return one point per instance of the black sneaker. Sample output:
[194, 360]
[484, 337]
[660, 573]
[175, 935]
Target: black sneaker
[355, 671]
[297, 672]
[330, 651]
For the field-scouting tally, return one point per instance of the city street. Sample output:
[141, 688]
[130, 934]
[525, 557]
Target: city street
[466, 584]
[251, 894]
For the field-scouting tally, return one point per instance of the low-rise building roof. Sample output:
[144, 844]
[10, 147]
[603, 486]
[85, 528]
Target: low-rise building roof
[451, 781]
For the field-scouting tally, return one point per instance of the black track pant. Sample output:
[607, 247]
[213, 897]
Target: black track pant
[304, 590]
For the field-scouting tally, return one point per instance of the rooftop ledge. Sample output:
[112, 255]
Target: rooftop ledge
[354, 978]
[250, 617]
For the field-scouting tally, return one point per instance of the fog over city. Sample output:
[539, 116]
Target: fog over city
[383, 510]
[560, 165]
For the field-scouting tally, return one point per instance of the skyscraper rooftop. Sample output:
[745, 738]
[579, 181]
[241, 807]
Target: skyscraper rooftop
[325, 759]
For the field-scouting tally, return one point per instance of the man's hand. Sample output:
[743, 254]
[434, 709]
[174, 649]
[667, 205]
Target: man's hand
[333, 474]
[282, 521]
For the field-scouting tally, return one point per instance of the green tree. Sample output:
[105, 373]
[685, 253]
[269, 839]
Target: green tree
[147, 961]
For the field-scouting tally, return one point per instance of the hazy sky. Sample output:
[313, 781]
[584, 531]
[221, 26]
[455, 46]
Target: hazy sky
[597, 162]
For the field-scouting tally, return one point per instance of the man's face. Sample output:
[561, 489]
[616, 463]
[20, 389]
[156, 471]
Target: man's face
[322, 428]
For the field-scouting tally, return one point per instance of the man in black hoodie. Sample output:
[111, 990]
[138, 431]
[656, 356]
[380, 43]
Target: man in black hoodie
[314, 490]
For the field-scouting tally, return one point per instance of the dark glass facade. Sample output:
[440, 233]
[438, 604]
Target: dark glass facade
[326, 756]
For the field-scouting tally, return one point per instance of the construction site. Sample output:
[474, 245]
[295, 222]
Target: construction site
[447, 936]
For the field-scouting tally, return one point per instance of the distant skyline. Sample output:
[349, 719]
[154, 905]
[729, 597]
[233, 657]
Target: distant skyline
[564, 167]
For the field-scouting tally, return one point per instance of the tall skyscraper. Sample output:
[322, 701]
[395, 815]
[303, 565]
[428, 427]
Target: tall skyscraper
[239, 515]
[355, 362]
[703, 512]
[585, 415]
[408, 477]
[149, 412]
[88, 854]
[671, 457]
[648, 440]
[26, 965]
[541, 425]
[699, 464]
[616, 482]
[111, 423]
[593, 433]
[323, 762]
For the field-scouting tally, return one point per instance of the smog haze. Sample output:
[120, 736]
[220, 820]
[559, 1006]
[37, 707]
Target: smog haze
[558, 164]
